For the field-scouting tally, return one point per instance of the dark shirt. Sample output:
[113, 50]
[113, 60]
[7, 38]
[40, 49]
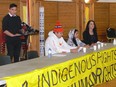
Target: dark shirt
[89, 39]
[11, 24]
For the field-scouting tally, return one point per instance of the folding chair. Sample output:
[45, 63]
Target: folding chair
[32, 54]
[5, 60]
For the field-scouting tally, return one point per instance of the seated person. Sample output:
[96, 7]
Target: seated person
[56, 42]
[73, 39]
[90, 35]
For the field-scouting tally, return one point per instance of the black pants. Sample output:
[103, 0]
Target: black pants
[14, 47]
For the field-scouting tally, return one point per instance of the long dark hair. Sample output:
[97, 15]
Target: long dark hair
[87, 27]
[74, 39]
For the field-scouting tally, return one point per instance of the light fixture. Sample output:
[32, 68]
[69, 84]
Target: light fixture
[87, 1]
[90, 1]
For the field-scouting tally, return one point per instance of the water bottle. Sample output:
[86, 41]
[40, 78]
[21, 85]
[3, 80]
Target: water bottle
[49, 53]
[114, 42]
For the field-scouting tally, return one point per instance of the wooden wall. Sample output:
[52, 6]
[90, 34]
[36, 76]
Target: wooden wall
[112, 17]
[101, 17]
[51, 16]
[71, 15]
[34, 22]
[4, 5]
[105, 17]
[65, 12]
[67, 16]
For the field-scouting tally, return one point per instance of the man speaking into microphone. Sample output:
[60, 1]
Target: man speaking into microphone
[11, 25]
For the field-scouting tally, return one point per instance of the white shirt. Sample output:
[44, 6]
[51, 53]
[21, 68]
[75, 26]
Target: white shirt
[11, 15]
[57, 45]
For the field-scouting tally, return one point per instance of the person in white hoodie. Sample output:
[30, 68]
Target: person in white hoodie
[56, 43]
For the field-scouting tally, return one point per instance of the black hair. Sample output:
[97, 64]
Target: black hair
[74, 39]
[12, 5]
[87, 27]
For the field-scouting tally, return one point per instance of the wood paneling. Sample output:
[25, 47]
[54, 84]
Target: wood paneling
[112, 15]
[34, 22]
[105, 16]
[51, 15]
[65, 12]
[101, 17]
[67, 16]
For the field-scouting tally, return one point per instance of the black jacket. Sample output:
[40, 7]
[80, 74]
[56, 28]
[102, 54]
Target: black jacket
[12, 24]
[89, 39]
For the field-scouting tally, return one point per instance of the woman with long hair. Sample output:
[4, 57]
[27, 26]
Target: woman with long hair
[90, 34]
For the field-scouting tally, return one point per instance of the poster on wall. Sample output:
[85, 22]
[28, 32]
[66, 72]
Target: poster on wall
[41, 24]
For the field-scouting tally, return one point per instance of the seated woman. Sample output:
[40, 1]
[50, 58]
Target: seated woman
[73, 39]
[90, 35]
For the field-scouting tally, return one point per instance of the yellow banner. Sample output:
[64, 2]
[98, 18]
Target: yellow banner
[86, 71]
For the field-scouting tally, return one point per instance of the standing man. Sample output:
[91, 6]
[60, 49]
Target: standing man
[11, 26]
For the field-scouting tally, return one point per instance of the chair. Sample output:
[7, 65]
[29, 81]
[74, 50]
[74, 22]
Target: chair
[5, 60]
[32, 54]
[111, 33]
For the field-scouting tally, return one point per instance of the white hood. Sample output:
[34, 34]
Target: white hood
[57, 45]
[51, 33]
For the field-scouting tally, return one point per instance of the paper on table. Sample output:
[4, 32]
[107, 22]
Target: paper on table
[62, 55]
[91, 47]
[80, 48]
